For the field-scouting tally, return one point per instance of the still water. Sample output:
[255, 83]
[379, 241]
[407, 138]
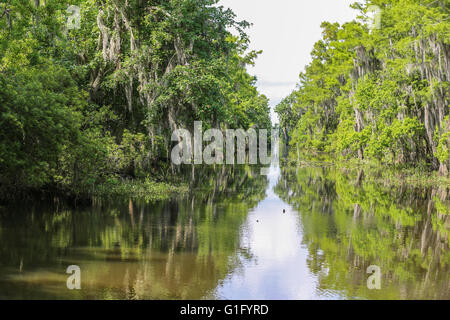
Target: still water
[298, 233]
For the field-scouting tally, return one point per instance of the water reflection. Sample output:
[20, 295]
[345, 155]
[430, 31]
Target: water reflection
[276, 267]
[230, 239]
[177, 249]
[349, 222]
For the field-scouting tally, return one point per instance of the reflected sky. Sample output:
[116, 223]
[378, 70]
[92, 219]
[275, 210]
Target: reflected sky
[277, 269]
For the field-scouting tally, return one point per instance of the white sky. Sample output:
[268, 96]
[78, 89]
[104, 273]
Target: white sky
[286, 31]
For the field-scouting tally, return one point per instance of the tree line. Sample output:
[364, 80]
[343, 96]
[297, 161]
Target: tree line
[377, 93]
[86, 105]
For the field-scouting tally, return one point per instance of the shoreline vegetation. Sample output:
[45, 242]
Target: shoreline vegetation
[150, 190]
[379, 94]
[141, 189]
[382, 173]
[135, 189]
[83, 105]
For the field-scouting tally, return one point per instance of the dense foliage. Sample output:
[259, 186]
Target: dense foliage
[378, 93]
[83, 106]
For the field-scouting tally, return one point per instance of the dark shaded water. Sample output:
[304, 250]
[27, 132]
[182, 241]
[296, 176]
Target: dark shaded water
[230, 239]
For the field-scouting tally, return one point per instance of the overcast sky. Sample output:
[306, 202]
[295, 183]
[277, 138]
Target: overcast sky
[286, 31]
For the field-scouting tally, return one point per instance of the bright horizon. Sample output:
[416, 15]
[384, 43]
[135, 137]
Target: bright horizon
[286, 32]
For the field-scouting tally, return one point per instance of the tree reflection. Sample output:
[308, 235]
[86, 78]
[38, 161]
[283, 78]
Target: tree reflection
[350, 222]
[176, 249]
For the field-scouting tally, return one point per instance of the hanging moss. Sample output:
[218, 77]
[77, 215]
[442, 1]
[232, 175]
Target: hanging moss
[395, 101]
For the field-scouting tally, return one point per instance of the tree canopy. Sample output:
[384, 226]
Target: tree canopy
[80, 106]
[378, 93]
